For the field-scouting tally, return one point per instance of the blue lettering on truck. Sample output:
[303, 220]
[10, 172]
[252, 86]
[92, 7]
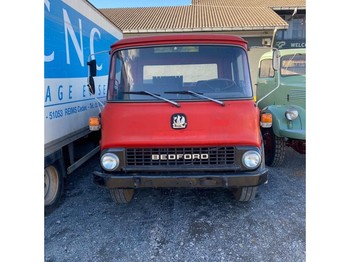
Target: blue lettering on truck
[70, 41]
[73, 30]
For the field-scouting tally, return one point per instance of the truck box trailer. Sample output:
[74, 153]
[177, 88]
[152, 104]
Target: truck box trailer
[73, 30]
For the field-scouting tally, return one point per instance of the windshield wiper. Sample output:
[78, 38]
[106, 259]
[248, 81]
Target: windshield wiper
[154, 95]
[188, 92]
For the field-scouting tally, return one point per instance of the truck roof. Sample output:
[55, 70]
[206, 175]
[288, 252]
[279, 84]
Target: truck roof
[177, 39]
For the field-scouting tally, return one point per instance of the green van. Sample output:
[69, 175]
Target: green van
[281, 91]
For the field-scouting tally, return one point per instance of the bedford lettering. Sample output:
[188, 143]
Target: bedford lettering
[180, 156]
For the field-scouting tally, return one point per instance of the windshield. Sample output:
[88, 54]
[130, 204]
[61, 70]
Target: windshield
[175, 72]
[293, 65]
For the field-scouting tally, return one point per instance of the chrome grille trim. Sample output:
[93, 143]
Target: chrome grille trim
[187, 157]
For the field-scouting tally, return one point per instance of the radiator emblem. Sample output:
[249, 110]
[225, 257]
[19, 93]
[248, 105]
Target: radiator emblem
[178, 121]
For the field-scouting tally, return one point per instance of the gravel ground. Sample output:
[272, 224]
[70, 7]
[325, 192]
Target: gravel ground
[180, 224]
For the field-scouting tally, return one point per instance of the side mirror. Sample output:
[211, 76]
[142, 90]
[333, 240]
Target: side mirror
[276, 58]
[92, 67]
[91, 85]
[92, 72]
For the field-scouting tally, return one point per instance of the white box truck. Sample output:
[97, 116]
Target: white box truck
[73, 31]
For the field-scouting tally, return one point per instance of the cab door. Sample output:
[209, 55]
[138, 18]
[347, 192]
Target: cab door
[266, 81]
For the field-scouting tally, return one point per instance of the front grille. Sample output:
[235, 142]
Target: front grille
[181, 157]
[296, 95]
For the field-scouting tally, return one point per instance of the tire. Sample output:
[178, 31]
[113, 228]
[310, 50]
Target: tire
[274, 147]
[245, 194]
[53, 187]
[121, 196]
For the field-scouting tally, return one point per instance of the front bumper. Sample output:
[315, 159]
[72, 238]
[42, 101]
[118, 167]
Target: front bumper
[190, 180]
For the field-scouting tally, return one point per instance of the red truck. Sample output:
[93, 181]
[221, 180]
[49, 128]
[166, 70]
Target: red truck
[179, 113]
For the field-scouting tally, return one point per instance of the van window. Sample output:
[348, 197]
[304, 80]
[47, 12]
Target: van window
[293, 65]
[266, 69]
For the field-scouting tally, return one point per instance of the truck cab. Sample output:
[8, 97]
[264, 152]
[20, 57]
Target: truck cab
[281, 91]
[179, 113]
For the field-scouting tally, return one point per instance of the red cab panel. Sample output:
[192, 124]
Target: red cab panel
[207, 123]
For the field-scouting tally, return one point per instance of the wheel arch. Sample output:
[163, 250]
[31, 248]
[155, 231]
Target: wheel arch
[56, 158]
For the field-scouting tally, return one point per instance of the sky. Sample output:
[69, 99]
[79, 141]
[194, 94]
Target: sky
[138, 3]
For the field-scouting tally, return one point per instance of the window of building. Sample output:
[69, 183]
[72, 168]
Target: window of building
[296, 29]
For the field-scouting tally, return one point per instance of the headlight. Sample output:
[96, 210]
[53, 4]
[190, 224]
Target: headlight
[251, 159]
[291, 113]
[109, 161]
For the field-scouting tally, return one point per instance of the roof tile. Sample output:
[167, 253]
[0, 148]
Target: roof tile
[194, 18]
[248, 3]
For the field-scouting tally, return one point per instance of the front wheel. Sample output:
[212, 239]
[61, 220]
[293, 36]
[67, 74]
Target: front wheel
[121, 196]
[53, 186]
[245, 194]
[274, 147]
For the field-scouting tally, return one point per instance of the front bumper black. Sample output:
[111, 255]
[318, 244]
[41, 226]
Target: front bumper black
[189, 180]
